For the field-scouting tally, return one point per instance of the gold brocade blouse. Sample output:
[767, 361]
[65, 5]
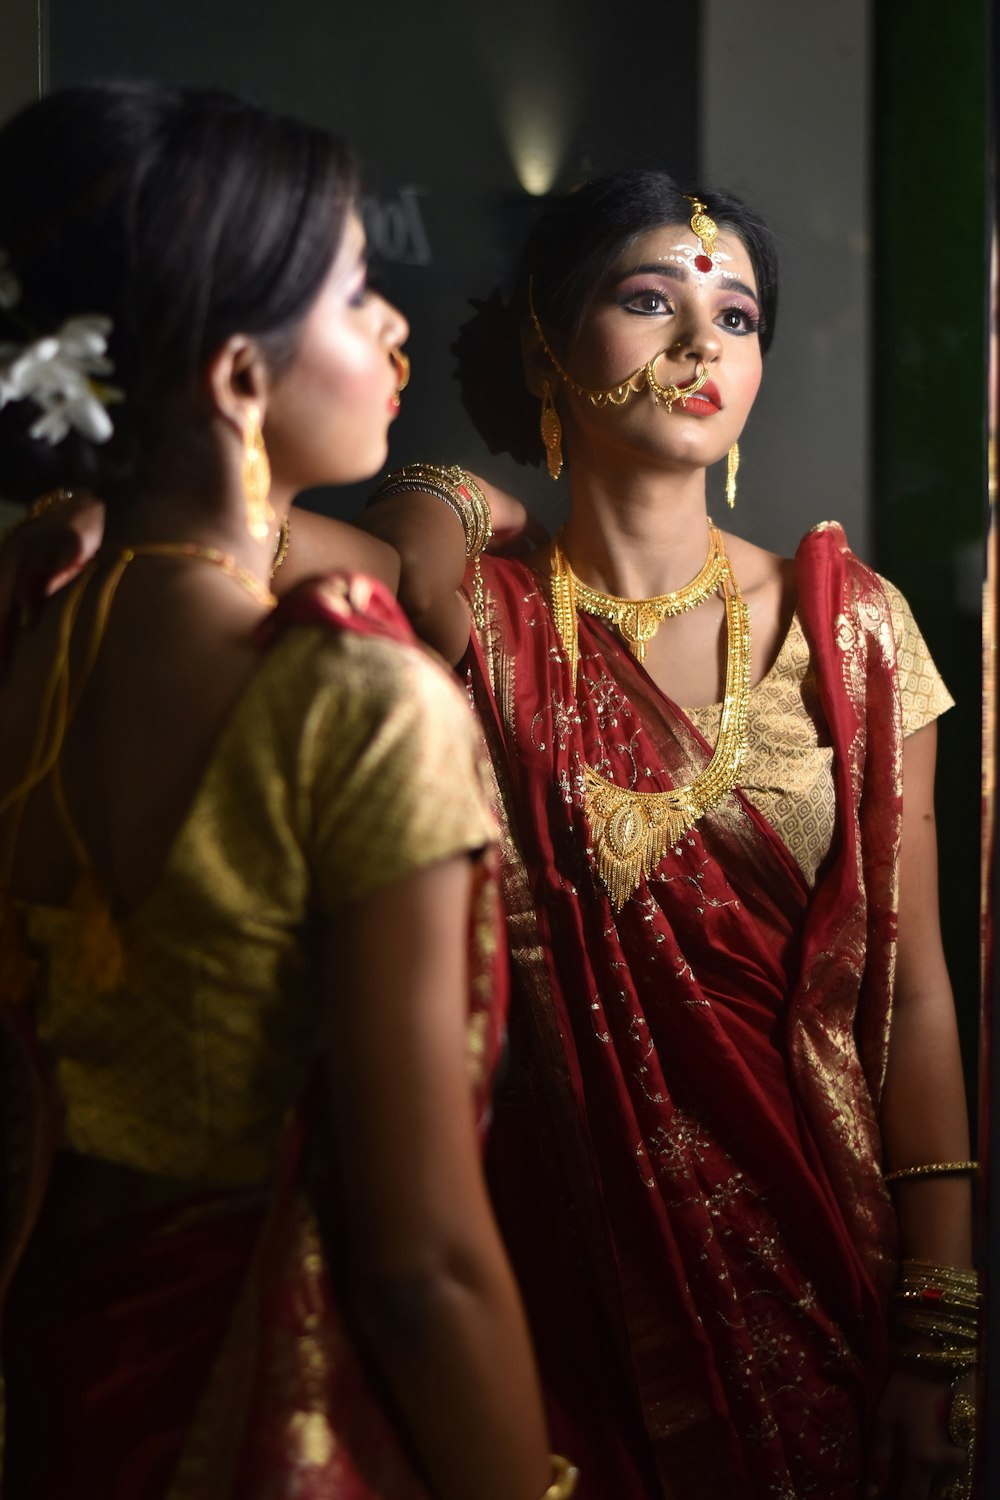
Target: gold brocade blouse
[788, 772]
[348, 763]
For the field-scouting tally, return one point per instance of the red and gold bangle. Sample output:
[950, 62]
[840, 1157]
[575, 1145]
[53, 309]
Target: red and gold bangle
[455, 488]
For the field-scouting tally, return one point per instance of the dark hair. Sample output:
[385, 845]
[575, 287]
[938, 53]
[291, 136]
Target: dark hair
[573, 244]
[184, 216]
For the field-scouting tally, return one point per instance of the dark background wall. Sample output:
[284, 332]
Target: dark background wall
[462, 112]
[840, 123]
[928, 342]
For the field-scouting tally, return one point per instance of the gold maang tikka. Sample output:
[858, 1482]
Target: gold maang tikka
[617, 395]
[706, 232]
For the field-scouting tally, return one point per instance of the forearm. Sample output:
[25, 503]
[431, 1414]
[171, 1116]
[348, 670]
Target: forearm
[924, 1117]
[925, 1121]
[422, 1257]
[455, 1351]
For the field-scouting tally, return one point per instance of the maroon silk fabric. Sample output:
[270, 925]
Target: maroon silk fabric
[714, 1313]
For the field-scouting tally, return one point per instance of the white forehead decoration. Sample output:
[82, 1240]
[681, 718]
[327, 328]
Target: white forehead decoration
[701, 266]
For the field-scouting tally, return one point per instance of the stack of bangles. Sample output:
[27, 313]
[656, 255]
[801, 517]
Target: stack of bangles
[456, 488]
[938, 1305]
[936, 1324]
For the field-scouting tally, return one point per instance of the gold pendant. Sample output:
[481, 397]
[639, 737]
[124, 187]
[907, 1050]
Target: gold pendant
[632, 831]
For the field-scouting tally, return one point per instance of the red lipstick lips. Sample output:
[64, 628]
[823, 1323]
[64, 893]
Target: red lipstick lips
[705, 403]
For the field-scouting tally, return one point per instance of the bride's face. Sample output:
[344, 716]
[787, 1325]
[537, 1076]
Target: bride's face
[657, 304]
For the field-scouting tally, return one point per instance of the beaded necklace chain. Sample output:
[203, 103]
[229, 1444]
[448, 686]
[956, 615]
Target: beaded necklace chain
[632, 831]
[222, 560]
[58, 705]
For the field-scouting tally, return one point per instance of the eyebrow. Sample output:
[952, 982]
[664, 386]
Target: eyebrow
[680, 273]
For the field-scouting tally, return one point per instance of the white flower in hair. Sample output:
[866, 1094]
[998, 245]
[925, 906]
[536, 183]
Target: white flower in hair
[10, 287]
[57, 373]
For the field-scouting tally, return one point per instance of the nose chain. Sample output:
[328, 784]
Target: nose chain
[617, 395]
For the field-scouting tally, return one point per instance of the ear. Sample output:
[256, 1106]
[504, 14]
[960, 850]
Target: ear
[237, 379]
[536, 361]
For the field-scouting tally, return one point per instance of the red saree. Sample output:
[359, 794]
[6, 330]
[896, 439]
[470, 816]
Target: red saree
[200, 1350]
[699, 1225]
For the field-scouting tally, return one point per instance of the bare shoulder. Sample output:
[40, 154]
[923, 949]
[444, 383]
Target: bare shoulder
[321, 543]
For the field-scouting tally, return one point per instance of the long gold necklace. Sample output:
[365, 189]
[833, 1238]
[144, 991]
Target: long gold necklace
[640, 619]
[632, 831]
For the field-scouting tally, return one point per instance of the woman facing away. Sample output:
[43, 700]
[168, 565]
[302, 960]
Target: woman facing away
[248, 986]
[731, 1023]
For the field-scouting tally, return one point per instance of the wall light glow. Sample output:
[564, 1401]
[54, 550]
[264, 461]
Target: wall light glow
[537, 131]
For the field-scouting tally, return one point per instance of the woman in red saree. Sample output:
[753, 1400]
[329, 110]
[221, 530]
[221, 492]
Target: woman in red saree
[250, 1001]
[731, 1014]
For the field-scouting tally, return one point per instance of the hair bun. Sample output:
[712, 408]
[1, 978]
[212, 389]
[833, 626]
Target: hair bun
[490, 374]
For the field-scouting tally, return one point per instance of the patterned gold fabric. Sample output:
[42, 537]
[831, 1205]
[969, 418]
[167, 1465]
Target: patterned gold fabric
[348, 763]
[788, 772]
[923, 693]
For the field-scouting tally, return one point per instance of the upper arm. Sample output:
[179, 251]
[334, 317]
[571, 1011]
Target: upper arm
[318, 544]
[396, 1056]
[394, 809]
[920, 960]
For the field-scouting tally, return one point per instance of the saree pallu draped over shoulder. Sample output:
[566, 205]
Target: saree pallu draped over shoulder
[710, 1059]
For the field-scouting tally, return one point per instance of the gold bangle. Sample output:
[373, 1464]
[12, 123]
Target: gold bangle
[932, 1169]
[456, 488]
[37, 508]
[949, 1358]
[564, 1477]
[480, 505]
[957, 1280]
[45, 502]
[281, 550]
[936, 1326]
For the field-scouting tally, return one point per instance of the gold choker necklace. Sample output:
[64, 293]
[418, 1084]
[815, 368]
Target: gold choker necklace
[639, 619]
[632, 831]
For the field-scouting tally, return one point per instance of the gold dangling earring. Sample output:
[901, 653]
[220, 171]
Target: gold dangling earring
[256, 477]
[551, 430]
[732, 464]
